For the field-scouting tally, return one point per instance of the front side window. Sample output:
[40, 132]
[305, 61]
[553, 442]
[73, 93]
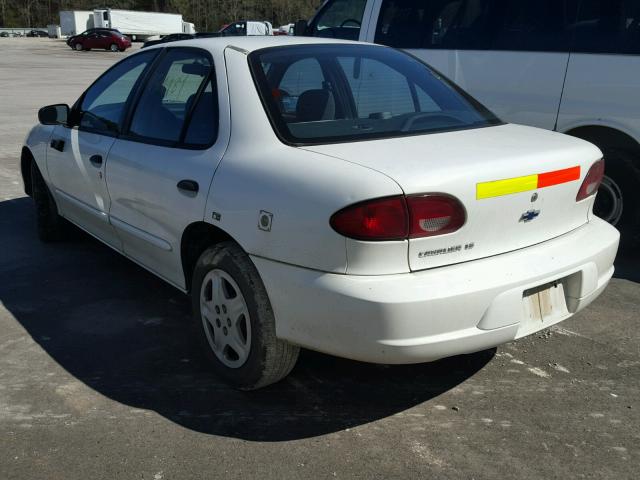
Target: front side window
[168, 96]
[339, 19]
[103, 105]
[357, 92]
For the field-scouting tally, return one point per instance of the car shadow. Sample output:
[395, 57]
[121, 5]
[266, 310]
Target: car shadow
[126, 334]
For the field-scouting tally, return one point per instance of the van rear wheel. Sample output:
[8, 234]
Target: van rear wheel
[618, 199]
[235, 322]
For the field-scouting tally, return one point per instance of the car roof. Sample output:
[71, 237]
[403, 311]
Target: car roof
[252, 43]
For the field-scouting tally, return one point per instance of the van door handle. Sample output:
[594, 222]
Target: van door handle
[188, 185]
[96, 160]
[57, 144]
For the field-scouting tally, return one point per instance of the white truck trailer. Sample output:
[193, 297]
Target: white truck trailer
[141, 25]
[73, 22]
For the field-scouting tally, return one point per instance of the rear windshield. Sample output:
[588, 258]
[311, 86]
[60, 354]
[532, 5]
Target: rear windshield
[317, 94]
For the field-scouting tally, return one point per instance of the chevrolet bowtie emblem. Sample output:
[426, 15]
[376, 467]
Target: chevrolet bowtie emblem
[529, 215]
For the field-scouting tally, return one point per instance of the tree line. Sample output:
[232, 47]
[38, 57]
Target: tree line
[207, 15]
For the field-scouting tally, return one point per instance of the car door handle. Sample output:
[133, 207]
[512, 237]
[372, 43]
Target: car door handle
[96, 160]
[57, 144]
[188, 185]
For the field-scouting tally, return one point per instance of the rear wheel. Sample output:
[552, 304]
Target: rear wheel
[113, 47]
[78, 47]
[50, 225]
[618, 200]
[235, 322]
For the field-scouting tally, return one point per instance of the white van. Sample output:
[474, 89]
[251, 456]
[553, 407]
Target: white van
[566, 65]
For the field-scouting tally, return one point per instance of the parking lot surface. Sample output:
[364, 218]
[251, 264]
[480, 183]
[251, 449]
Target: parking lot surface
[99, 376]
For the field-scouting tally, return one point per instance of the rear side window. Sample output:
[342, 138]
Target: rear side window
[202, 129]
[169, 95]
[359, 92]
[103, 105]
[611, 26]
[523, 25]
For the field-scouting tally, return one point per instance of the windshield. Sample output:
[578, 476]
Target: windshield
[339, 19]
[332, 93]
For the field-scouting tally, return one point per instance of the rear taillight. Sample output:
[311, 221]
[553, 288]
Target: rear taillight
[431, 215]
[380, 219]
[400, 218]
[592, 181]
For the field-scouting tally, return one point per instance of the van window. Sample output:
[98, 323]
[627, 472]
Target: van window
[608, 26]
[434, 23]
[360, 92]
[533, 25]
[339, 19]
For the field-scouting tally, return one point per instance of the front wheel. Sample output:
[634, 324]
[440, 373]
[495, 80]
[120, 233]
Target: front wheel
[50, 225]
[113, 47]
[618, 199]
[235, 321]
[78, 47]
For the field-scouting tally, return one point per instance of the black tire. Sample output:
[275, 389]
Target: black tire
[113, 47]
[618, 199]
[49, 224]
[269, 359]
[78, 47]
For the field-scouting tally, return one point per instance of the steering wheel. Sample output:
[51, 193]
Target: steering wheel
[351, 20]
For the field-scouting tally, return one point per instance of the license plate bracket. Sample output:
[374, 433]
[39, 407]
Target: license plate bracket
[543, 306]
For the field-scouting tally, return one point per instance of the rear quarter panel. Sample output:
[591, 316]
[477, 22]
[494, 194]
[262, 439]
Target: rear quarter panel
[299, 190]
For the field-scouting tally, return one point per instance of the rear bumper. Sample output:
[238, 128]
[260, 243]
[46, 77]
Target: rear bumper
[423, 316]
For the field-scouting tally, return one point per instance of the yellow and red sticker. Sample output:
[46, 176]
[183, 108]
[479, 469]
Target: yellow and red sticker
[509, 186]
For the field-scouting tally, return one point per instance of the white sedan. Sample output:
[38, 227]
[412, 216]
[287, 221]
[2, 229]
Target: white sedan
[337, 196]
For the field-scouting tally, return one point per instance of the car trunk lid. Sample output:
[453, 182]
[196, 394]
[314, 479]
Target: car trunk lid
[518, 185]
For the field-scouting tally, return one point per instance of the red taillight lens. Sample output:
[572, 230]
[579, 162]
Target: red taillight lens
[431, 215]
[592, 181]
[380, 219]
[399, 218]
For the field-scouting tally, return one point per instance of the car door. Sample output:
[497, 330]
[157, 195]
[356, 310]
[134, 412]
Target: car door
[102, 40]
[160, 171]
[91, 40]
[76, 157]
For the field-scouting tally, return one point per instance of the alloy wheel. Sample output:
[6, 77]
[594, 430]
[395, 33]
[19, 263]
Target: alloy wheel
[225, 318]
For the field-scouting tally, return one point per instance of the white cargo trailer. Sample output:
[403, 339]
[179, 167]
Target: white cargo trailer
[73, 22]
[138, 25]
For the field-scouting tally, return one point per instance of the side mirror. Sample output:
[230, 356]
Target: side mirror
[54, 114]
[300, 28]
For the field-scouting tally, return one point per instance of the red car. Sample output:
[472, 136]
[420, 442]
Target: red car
[100, 38]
